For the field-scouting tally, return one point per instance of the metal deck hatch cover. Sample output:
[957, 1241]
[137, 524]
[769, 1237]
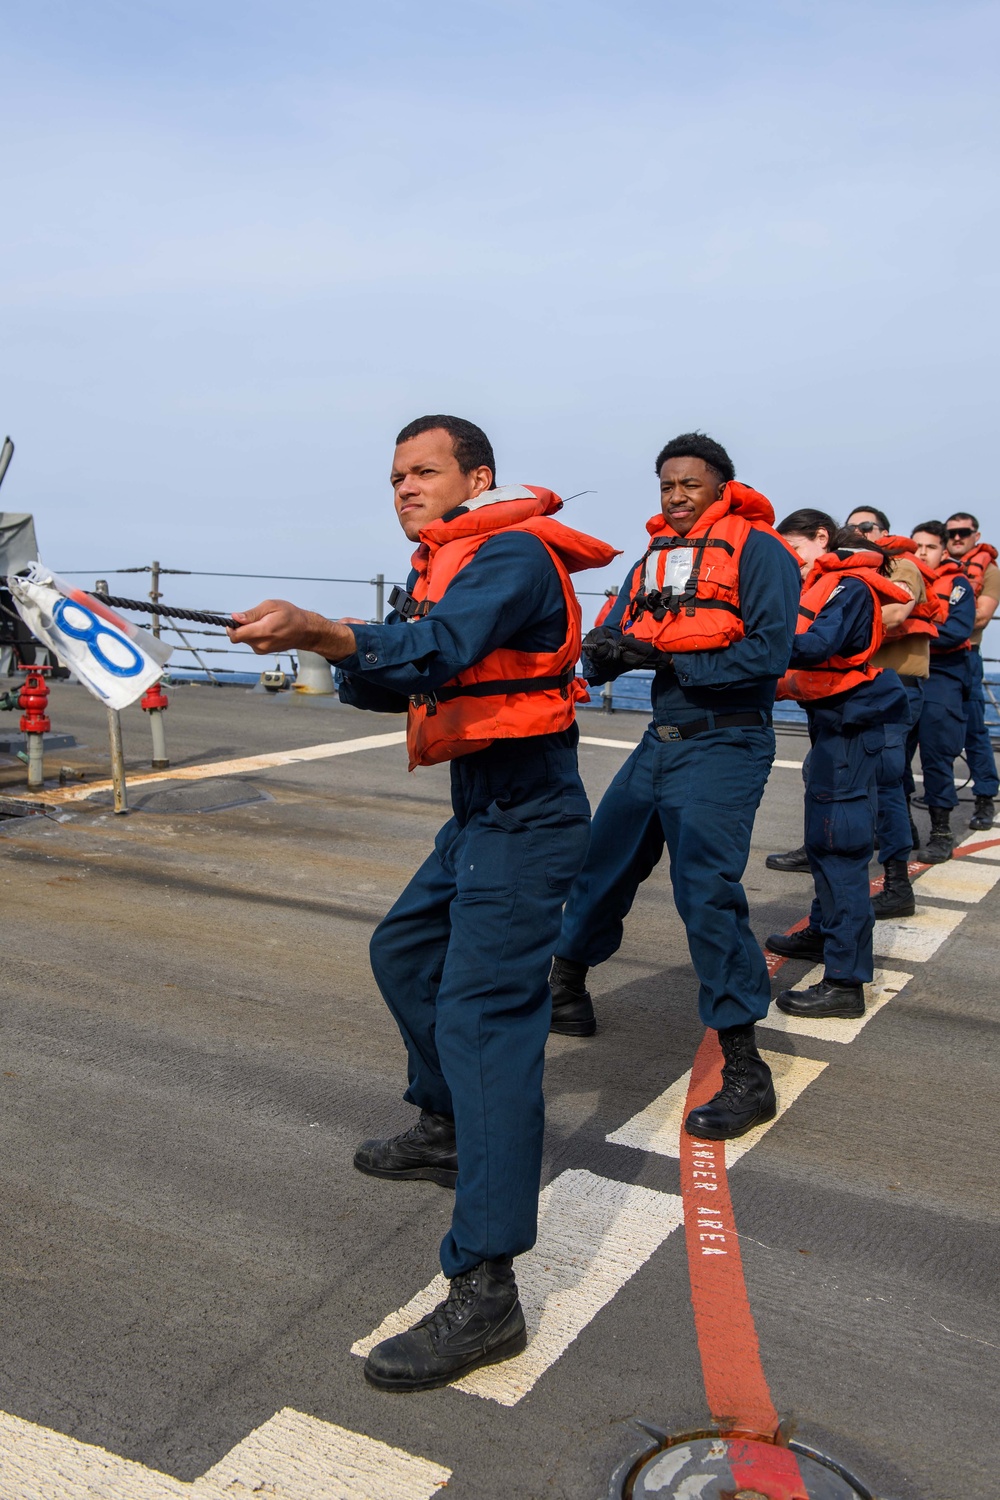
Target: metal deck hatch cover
[215, 794]
[713, 1468]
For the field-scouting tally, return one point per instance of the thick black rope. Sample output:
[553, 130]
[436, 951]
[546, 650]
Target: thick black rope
[200, 616]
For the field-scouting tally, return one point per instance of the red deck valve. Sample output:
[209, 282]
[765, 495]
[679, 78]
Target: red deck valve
[154, 697]
[34, 699]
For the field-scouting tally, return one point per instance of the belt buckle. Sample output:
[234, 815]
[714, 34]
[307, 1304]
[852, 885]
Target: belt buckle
[668, 732]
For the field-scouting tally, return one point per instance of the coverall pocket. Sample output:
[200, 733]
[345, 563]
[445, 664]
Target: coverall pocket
[493, 850]
[840, 823]
[570, 844]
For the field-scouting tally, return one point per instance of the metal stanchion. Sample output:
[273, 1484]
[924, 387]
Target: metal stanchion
[379, 582]
[117, 761]
[115, 736]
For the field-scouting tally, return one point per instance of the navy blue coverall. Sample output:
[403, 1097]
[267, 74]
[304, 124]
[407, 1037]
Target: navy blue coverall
[848, 733]
[462, 959]
[895, 840]
[940, 730]
[978, 748]
[697, 795]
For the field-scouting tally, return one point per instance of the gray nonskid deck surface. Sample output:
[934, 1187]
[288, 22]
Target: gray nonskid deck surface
[192, 1045]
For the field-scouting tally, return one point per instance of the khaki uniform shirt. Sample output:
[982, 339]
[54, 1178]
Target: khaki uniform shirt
[989, 590]
[909, 655]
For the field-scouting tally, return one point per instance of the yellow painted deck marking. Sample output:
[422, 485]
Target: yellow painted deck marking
[58, 795]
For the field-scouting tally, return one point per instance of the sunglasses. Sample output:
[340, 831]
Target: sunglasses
[866, 526]
[958, 532]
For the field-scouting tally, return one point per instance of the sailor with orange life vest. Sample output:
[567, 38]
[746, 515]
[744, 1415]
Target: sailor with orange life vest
[940, 732]
[711, 607]
[979, 559]
[849, 703]
[480, 652]
[909, 630]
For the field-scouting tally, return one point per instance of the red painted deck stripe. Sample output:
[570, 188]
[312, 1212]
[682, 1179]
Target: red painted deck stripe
[735, 1384]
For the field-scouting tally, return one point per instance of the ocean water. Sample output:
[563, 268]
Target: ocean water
[630, 694]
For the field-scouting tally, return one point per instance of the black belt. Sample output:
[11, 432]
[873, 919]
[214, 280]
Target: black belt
[908, 681]
[705, 726]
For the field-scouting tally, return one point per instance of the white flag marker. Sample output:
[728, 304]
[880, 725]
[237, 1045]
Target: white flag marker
[112, 657]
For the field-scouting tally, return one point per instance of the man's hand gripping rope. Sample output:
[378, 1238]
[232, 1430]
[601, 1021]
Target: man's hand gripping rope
[276, 625]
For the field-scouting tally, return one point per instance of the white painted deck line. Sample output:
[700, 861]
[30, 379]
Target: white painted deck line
[658, 1126]
[883, 988]
[962, 879]
[296, 1457]
[593, 1236]
[290, 1457]
[58, 795]
[588, 739]
[916, 939]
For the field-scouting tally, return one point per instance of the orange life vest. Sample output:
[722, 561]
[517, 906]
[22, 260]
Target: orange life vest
[840, 673]
[942, 587]
[685, 594]
[508, 694]
[925, 617]
[605, 610]
[975, 564]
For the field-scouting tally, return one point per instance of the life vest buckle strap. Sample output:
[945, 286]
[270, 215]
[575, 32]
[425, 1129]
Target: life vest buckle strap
[425, 700]
[501, 687]
[406, 605]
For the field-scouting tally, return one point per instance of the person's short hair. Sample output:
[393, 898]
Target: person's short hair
[880, 515]
[471, 446]
[698, 445]
[932, 528]
[964, 515]
[808, 523]
[847, 540]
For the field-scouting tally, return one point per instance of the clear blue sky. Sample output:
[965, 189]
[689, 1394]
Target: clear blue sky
[243, 243]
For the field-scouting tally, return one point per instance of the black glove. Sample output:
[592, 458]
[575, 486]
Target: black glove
[633, 653]
[601, 646]
[610, 649]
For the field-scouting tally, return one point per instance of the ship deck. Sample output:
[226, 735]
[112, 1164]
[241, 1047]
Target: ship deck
[192, 1046]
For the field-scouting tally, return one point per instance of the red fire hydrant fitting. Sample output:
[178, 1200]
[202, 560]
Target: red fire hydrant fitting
[34, 699]
[154, 700]
[154, 697]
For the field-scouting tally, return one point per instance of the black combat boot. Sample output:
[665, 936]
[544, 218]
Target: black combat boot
[940, 843]
[426, 1150]
[572, 1007]
[895, 899]
[830, 997]
[984, 814]
[746, 1097]
[808, 943]
[480, 1322]
[795, 859]
[914, 835]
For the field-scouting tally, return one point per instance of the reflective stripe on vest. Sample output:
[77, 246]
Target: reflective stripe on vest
[508, 694]
[684, 594]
